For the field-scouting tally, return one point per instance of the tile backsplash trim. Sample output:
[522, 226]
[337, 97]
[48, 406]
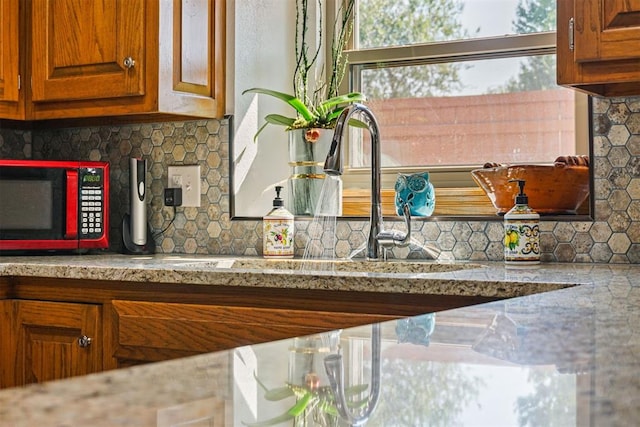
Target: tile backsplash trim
[614, 236]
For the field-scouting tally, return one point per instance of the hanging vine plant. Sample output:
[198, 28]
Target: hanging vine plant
[316, 99]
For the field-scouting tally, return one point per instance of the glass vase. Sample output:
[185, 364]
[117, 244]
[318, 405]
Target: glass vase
[306, 359]
[308, 149]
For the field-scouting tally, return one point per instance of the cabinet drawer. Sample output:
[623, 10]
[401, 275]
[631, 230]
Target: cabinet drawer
[152, 331]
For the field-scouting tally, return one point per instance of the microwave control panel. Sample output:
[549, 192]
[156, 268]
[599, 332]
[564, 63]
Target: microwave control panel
[92, 203]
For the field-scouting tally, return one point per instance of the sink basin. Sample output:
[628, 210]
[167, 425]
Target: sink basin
[351, 266]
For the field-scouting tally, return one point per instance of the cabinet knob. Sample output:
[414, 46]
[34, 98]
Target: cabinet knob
[129, 62]
[84, 341]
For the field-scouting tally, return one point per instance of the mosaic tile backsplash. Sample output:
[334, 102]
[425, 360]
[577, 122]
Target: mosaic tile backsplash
[614, 236]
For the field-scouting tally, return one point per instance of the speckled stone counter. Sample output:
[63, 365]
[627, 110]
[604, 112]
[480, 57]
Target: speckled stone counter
[564, 357]
[472, 279]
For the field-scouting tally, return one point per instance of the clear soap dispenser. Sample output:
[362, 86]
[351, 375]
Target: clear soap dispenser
[278, 230]
[521, 231]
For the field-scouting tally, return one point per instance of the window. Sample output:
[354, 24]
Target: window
[457, 83]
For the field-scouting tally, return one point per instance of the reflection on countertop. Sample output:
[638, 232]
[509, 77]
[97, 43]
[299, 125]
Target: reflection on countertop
[567, 357]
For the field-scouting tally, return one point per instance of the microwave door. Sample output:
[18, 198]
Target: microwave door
[33, 205]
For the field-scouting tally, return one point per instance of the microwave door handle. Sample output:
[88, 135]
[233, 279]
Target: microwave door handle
[71, 230]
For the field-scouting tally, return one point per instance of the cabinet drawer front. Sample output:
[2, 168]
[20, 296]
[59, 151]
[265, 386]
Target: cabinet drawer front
[155, 331]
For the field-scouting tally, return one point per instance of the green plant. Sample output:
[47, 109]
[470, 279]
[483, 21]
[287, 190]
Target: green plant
[316, 102]
[317, 403]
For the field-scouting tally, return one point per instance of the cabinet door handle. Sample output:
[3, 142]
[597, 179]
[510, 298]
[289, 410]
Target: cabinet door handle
[571, 28]
[84, 341]
[129, 62]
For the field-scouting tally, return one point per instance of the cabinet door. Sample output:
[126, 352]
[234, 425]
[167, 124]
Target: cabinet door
[9, 58]
[7, 344]
[191, 64]
[607, 30]
[48, 340]
[598, 51]
[87, 49]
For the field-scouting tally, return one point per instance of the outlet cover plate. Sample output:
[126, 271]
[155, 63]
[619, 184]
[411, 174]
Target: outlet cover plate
[187, 178]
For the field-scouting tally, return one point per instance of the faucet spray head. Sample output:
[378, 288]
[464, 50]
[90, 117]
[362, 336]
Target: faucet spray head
[333, 163]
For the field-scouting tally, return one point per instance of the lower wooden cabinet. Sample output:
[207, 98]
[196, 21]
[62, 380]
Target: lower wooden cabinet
[44, 341]
[7, 344]
[153, 331]
[44, 321]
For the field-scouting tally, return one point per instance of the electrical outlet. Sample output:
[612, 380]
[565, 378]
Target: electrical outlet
[187, 178]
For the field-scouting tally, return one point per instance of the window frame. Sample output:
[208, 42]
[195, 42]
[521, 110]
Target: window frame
[508, 46]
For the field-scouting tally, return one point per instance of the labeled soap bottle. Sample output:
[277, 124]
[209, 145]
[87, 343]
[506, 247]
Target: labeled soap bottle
[278, 230]
[521, 231]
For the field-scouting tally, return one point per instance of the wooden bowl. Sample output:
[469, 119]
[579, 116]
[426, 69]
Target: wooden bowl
[552, 189]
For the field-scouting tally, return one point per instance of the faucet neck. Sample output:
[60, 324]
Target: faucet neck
[333, 165]
[375, 218]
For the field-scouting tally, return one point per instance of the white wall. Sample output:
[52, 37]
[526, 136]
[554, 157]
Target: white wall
[260, 54]
[261, 44]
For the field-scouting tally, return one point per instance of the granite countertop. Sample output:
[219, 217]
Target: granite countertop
[561, 357]
[425, 277]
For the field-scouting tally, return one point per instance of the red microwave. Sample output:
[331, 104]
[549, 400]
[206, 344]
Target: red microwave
[53, 205]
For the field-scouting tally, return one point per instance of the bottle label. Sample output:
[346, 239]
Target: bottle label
[521, 241]
[278, 238]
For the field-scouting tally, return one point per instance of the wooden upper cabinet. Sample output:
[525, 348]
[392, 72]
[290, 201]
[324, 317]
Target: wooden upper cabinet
[607, 30]
[9, 67]
[192, 56]
[10, 59]
[119, 58]
[87, 49]
[48, 337]
[598, 46]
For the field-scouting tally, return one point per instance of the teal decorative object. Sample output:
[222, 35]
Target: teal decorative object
[416, 330]
[417, 191]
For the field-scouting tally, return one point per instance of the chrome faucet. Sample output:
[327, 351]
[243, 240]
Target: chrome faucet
[378, 237]
[335, 371]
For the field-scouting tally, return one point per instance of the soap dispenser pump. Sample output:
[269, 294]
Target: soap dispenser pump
[521, 231]
[278, 230]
